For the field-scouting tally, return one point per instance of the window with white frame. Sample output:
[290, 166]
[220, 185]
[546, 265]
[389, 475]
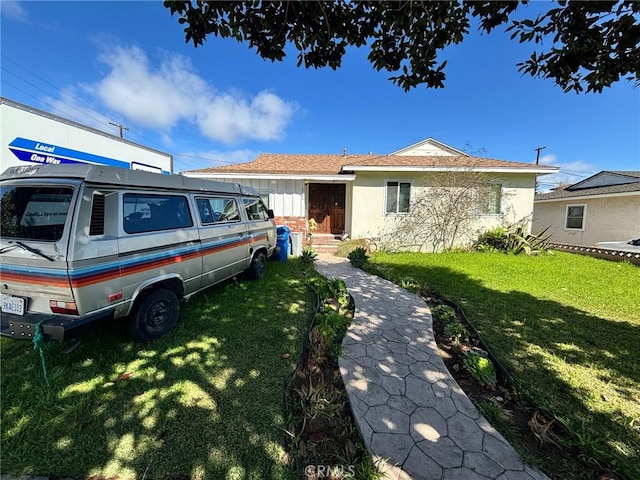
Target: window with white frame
[490, 199]
[575, 217]
[398, 195]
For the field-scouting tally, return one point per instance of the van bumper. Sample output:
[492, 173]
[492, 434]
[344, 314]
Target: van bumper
[54, 327]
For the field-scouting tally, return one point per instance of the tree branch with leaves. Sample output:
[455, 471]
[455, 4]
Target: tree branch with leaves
[593, 44]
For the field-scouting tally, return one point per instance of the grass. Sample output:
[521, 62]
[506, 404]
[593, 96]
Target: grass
[566, 326]
[204, 401]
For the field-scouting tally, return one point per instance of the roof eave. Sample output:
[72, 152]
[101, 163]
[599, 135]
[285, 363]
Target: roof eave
[276, 176]
[414, 168]
[586, 197]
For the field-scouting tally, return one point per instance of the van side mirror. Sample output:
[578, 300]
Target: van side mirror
[270, 213]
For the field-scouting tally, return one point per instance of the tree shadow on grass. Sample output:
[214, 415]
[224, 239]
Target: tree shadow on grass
[581, 367]
[204, 401]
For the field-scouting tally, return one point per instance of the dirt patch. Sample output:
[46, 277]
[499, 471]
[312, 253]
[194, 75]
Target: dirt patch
[323, 439]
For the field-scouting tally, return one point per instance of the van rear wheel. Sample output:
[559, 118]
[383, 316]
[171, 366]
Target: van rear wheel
[155, 315]
[258, 266]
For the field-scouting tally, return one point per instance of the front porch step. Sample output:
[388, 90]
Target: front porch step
[325, 243]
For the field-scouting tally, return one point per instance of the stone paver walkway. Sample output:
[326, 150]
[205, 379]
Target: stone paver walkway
[414, 418]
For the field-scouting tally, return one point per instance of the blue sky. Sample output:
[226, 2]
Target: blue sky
[128, 63]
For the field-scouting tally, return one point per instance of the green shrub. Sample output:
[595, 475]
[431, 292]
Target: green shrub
[339, 291]
[444, 313]
[308, 257]
[358, 257]
[456, 331]
[513, 239]
[480, 368]
[329, 325]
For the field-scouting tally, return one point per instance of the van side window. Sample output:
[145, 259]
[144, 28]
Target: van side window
[218, 210]
[255, 209]
[149, 213]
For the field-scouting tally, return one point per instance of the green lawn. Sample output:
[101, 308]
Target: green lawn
[566, 326]
[204, 401]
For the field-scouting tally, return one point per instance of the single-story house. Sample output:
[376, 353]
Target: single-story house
[359, 195]
[604, 207]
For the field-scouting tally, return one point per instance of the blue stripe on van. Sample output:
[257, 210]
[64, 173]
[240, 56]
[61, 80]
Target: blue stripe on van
[95, 274]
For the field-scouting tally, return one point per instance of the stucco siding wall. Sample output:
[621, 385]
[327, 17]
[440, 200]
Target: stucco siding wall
[368, 198]
[369, 190]
[608, 219]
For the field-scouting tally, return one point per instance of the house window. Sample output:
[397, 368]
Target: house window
[490, 201]
[575, 217]
[398, 197]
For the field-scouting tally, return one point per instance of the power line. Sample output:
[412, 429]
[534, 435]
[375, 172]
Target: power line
[120, 127]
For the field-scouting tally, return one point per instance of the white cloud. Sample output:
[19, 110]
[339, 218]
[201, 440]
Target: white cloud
[160, 97]
[570, 172]
[230, 118]
[13, 10]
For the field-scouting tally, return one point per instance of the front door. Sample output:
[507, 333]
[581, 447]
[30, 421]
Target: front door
[327, 207]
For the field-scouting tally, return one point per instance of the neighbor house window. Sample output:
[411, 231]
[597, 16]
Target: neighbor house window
[575, 217]
[398, 197]
[490, 201]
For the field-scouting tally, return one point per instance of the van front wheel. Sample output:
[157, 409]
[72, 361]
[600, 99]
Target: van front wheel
[258, 266]
[156, 314]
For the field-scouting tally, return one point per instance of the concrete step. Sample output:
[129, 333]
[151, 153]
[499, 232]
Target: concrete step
[325, 243]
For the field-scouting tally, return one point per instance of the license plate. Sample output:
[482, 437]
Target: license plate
[13, 305]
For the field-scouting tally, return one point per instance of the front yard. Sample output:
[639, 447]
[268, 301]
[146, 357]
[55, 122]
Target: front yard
[566, 326]
[204, 401]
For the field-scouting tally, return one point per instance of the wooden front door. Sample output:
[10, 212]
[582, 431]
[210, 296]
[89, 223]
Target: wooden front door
[326, 207]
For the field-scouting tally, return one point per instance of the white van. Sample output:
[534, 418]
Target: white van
[83, 243]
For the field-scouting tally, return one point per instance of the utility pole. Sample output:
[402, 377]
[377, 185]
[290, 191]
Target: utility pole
[538, 154]
[120, 127]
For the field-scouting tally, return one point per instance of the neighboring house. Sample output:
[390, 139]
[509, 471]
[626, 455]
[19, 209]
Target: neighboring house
[604, 207]
[358, 195]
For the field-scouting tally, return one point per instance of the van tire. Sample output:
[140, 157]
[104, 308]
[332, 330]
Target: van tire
[258, 266]
[154, 315]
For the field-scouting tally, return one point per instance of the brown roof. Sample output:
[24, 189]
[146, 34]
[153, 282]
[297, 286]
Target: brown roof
[568, 191]
[301, 164]
[587, 192]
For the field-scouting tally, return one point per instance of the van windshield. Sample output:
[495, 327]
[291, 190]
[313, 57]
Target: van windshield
[34, 212]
